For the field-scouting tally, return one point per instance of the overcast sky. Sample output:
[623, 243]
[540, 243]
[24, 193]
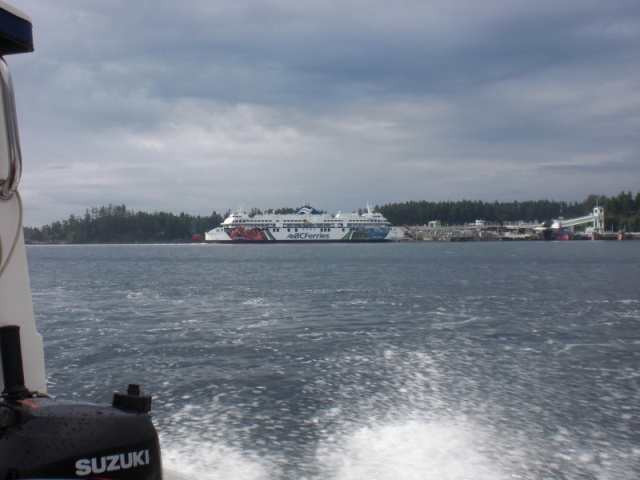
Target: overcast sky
[206, 105]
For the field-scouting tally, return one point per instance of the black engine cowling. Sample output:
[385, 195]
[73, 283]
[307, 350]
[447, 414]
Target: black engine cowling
[43, 438]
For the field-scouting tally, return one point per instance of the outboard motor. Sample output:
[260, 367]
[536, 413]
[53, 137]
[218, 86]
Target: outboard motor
[44, 438]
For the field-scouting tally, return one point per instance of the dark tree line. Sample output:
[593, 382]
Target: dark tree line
[622, 212]
[116, 224]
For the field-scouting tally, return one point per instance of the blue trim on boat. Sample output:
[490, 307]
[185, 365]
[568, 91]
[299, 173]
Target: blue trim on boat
[307, 210]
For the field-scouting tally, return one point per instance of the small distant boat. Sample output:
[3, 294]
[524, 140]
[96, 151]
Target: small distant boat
[562, 235]
[305, 225]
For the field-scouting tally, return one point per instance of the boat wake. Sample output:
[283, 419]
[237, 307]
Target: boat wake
[415, 423]
[411, 449]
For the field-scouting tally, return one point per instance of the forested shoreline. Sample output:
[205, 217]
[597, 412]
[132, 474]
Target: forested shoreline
[117, 224]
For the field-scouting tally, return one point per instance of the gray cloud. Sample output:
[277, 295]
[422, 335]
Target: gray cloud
[194, 106]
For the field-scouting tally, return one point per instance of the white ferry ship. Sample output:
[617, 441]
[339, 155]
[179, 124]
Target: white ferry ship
[306, 224]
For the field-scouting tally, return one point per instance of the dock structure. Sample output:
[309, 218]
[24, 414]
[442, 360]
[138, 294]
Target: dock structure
[596, 217]
[434, 231]
[481, 230]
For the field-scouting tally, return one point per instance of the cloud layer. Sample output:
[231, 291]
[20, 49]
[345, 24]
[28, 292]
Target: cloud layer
[198, 106]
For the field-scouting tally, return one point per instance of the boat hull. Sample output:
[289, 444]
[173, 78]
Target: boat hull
[262, 242]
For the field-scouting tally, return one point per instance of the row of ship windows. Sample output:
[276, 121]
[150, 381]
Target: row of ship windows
[296, 225]
[295, 229]
[253, 222]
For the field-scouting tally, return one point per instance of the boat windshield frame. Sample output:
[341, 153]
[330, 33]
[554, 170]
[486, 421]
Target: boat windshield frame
[9, 184]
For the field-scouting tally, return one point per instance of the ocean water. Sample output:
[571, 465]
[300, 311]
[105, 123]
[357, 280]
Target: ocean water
[442, 361]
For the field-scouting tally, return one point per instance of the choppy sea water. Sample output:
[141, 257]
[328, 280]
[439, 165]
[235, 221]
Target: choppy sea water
[389, 361]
